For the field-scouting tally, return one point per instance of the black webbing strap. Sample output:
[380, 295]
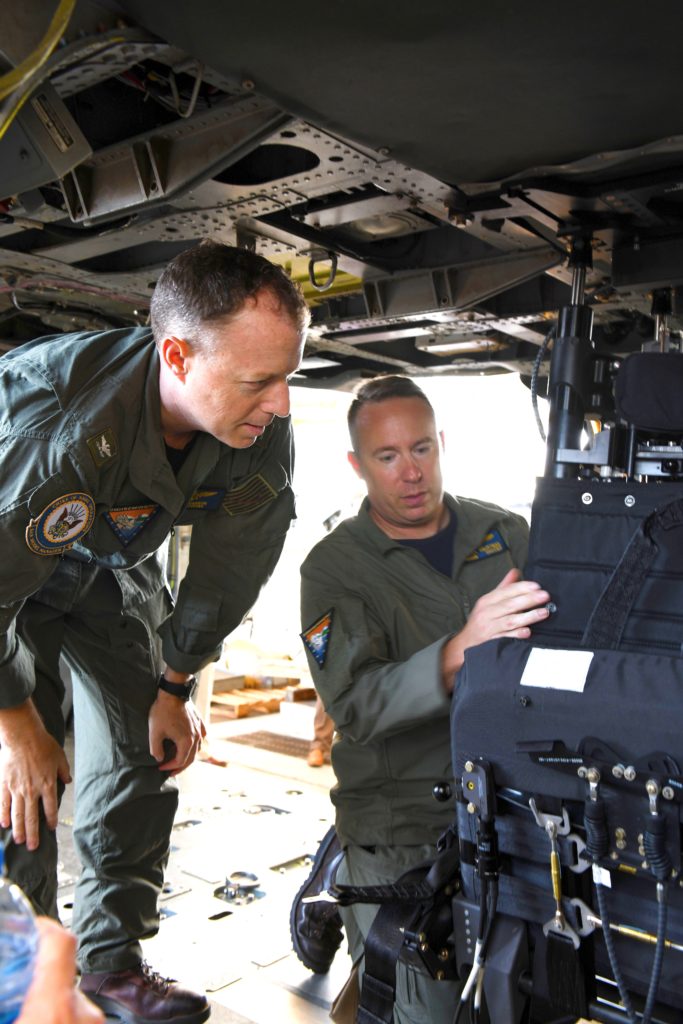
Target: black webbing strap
[607, 621]
[401, 905]
[432, 875]
[382, 948]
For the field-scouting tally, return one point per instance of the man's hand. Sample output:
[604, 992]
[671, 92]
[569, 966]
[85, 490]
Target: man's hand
[52, 998]
[31, 762]
[510, 610]
[177, 722]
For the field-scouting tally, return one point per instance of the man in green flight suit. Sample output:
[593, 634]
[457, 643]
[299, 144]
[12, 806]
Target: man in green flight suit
[391, 600]
[108, 440]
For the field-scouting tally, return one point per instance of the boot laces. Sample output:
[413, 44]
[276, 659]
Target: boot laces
[154, 980]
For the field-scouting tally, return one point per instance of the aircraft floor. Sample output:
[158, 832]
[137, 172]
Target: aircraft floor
[263, 814]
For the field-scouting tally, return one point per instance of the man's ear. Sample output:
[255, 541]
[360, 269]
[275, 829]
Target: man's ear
[353, 461]
[174, 354]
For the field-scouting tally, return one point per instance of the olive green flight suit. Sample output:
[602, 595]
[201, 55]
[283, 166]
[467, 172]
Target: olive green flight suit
[378, 614]
[88, 502]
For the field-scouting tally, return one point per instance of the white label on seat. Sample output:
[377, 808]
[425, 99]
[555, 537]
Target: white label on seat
[557, 670]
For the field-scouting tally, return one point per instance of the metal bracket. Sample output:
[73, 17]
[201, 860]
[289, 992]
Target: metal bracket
[543, 820]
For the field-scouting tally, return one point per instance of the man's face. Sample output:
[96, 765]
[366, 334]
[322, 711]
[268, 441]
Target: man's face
[235, 390]
[397, 455]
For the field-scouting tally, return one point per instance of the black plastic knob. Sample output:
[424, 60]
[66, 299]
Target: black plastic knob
[442, 791]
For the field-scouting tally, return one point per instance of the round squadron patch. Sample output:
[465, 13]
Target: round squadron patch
[61, 523]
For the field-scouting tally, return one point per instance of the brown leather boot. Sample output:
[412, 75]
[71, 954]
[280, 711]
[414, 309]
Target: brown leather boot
[141, 996]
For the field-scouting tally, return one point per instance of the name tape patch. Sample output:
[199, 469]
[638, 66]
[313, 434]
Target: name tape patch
[61, 523]
[206, 499]
[492, 544]
[317, 637]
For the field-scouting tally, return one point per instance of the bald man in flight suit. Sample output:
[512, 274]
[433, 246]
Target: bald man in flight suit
[391, 600]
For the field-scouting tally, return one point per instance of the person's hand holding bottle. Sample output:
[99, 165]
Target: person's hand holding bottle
[52, 997]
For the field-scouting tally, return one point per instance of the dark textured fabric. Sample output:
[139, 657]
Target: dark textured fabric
[648, 391]
[579, 533]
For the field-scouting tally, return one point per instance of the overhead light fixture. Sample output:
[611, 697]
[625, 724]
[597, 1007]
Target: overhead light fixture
[460, 344]
[317, 363]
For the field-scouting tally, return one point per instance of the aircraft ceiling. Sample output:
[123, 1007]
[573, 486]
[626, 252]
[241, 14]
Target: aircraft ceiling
[423, 169]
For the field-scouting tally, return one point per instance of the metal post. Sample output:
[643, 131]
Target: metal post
[570, 367]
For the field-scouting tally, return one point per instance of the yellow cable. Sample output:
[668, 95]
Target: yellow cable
[17, 76]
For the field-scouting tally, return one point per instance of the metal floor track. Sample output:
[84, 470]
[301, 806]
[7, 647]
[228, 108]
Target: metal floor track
[241, 845]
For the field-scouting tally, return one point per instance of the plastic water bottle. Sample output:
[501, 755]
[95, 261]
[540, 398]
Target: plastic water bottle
[18, 946]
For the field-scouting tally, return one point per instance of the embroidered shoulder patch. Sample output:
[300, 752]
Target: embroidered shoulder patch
[252, 494]
[126, 522]
[206, 499]
[317, 637]
[103, 446]
[492, 544]
[61, 523]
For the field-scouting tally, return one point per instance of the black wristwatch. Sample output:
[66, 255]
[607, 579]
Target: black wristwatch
[185, 691]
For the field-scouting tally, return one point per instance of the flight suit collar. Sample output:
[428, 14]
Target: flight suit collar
[149, 469]
[473, 523]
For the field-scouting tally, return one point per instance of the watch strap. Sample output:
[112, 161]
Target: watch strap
[185, 691]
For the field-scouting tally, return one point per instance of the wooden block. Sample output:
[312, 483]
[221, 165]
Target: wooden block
[223, 681]
[241, 703]
[300, 692]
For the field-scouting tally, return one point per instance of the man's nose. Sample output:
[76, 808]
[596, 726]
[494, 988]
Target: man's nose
[277, 399]
[411, 470]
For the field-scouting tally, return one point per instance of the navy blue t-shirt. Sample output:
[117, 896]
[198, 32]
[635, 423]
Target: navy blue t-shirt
[438, 549]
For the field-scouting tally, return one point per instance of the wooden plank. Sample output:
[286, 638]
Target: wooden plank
[240, 703]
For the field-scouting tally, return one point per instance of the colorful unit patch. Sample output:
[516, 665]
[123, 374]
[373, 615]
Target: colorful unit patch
[492, 544]
[252, 494]
[317, 637]
[206, 499]
[127, 522]
[61, 523]
[103, 447]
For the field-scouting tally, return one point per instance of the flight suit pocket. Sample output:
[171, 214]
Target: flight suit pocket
[198, 614]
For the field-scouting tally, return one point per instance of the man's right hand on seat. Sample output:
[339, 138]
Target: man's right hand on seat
[510, 610]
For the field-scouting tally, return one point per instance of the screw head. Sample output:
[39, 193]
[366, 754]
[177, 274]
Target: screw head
[629, 501]
[668, 793]
[629, 773]
[587, 498]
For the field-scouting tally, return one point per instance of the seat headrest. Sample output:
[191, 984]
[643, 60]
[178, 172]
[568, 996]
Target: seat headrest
[649, 391]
